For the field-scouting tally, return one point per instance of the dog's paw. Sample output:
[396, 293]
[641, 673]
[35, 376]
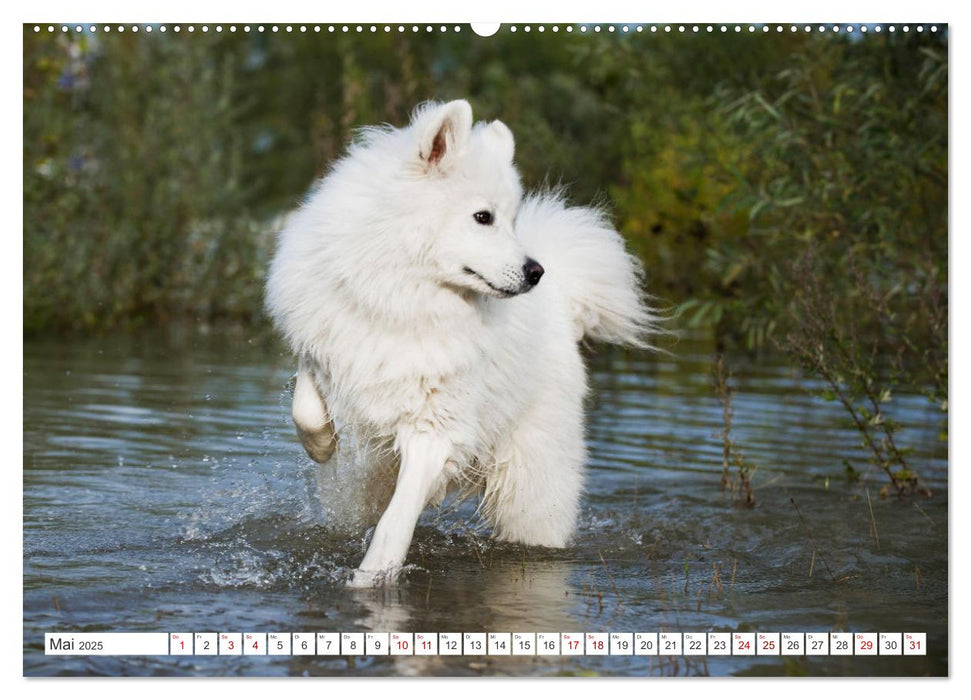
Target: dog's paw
[319, 444]
[372, 579]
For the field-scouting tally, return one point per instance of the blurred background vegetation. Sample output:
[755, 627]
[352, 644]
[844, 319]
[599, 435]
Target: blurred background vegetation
[785, 190]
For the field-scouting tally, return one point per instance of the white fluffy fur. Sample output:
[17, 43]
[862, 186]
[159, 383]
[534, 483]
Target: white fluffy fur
[446, 377]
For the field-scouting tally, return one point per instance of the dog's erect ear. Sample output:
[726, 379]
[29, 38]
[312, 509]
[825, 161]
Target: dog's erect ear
[443, 131]
[503, 139]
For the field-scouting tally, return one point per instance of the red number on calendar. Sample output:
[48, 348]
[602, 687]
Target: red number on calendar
[181, 645]
[573, 644]
[426, 645]
[866, 646]
[768, 644]
[598, 644]
[231, 645]
[403, 644]
[914, 645]
[744, 645]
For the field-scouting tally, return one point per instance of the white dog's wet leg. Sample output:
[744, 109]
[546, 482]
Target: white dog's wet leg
[314, 425]
[423, 457]
[534, 495]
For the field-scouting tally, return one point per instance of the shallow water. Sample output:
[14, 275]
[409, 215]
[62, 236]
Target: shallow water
[165, 491]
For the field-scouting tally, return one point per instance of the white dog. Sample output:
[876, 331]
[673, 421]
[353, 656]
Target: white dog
[401, 285]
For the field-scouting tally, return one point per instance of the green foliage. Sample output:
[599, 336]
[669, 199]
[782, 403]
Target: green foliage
[847, 157]
[741, 167]
[132, 189]
[845, 262]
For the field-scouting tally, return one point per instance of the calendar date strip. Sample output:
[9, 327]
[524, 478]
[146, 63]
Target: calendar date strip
[486, 644]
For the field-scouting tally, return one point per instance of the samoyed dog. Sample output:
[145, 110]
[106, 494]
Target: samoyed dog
[436, 315]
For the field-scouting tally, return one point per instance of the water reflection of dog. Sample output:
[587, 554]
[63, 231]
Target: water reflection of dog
[506, 597]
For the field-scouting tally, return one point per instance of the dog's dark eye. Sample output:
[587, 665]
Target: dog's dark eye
[483, 217]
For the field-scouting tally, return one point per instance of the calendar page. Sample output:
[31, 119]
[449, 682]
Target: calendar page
[514, 349]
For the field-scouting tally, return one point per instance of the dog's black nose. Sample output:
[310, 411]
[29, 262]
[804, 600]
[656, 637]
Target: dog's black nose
[532, 271]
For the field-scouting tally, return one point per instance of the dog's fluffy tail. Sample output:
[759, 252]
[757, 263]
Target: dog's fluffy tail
[587, 259]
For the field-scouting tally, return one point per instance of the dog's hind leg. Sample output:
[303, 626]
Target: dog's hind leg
[533, 494]
[314, 425]
[423, 458]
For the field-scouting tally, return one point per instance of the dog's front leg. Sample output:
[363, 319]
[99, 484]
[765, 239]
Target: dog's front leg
[314, 425]
[423, 458]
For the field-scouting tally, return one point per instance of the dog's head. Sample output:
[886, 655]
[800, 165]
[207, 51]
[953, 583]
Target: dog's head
[465, 174]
